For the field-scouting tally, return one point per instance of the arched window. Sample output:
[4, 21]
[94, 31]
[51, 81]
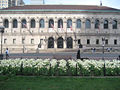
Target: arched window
[41, 23]
[97, 24]
[60, 23]
[60, 42]
[6, 23]
[114, 24]
[69, 42]
[106, 24]
[88, 24]
[24, 24]
[32, 23]
[50, 42]
[51, 23]
[78, 23]
[15, 23]
[69, 23]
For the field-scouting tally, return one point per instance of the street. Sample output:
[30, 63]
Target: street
[64, 55]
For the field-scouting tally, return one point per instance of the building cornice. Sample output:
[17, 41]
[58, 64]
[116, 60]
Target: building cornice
[58, 10]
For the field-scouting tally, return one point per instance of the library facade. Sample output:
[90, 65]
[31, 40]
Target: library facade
[35, 28]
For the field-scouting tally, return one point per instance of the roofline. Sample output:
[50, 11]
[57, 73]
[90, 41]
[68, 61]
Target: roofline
[55, 10]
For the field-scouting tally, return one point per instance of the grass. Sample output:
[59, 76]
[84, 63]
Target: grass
[58, 83]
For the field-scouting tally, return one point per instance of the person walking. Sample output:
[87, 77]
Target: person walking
[78, 54]
[7, 53]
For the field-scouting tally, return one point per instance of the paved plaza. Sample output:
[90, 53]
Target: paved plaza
[64, 55]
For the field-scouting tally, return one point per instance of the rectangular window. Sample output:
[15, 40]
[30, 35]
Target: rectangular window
[5, 41]
[88, 41]
[97, 41]
[115, 42]
[79, 41]
[106, 41]
[32, 41]
[14, 41]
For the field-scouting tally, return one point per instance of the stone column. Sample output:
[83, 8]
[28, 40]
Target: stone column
[1, 21]
[74, 33]
[74, 24]
[55, 24]
[93, 25]
[83, 25]
[65, 31]
[55, 43]
[28, 21]
[101, 27]
[19, 25]
[10, 24]
[110, 28]
[37, 24]
[46, 24]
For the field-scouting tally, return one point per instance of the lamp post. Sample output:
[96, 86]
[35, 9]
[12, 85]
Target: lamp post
[1, 31]
[103, 44]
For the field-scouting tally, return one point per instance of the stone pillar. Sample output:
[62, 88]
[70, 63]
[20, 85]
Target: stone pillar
[92, 24]
[28, 21]
[19, 25]
[46, 42]
[74, 33]
[55, 24]
[65, 44]
[118, 26]
[65, 31]
[1, 21]
[110, 28]
[55, 43]
[101, 27]
[37, 24]
[46, 24]
[74, 24]
[10, 24]
[83, 25]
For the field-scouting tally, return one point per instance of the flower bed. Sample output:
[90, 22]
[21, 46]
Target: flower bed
[59, 67]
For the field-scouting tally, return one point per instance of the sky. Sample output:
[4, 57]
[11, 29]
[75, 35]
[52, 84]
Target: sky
[110, 3]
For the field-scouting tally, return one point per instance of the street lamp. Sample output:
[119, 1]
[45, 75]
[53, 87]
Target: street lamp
[103, 44]
[1, 31]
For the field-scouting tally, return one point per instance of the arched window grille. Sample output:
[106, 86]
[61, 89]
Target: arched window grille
[69, 23]
[60, 42]
[15, 23]
[32, 23]
[24, 23]
[51, 23]
[106, 24]
[88, 24]
[50, 42]
[41, 23]
[78, 23]
[97, 24]
[69, 42]
[6, 23]
[60, 23]
[114, 24]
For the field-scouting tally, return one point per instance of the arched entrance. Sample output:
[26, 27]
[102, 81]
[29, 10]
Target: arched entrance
[50, 42]
[60, 42]
[69, 42]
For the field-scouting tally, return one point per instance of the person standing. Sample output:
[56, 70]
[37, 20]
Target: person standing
[78, 54]
[7, 53]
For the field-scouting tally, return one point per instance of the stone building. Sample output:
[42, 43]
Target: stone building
[35, 28]
[10, 3]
